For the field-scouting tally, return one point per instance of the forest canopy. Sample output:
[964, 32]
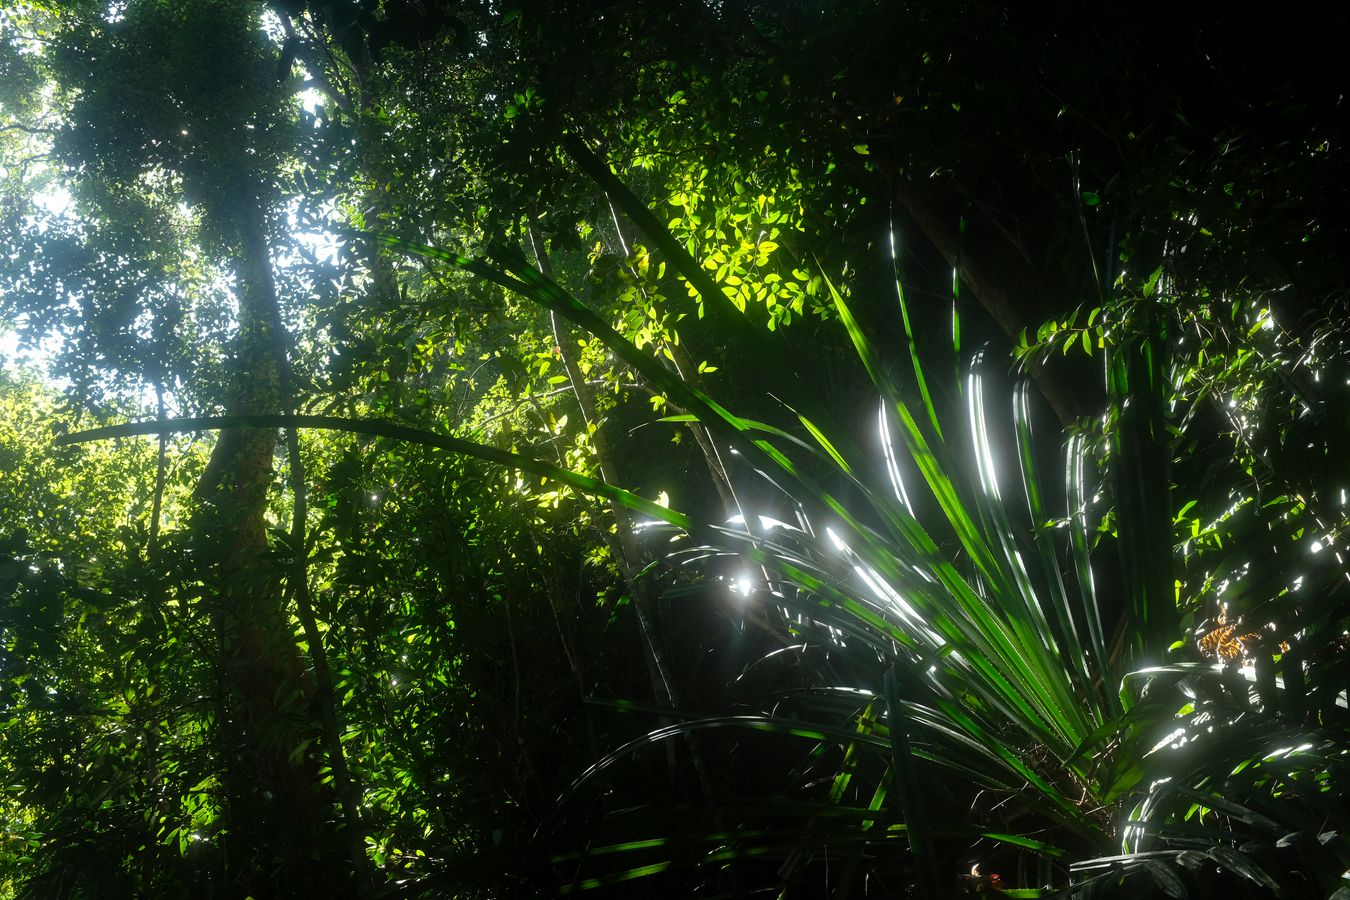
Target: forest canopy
[692, 449]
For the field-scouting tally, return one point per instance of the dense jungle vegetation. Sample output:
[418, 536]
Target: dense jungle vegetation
[726, 448]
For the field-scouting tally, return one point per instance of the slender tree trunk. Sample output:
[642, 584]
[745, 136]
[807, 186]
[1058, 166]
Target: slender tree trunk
[277, 808]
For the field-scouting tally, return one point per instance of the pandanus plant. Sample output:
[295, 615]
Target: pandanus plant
[989, 659]
[956, 650]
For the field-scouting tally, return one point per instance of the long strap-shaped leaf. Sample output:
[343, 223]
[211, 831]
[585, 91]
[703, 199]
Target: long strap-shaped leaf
[1004, 655]
[375, 428]
[908, 783]
[1058, 599]
[1137, 379]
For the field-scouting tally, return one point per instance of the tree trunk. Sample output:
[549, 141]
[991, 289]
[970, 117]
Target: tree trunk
[277, 813]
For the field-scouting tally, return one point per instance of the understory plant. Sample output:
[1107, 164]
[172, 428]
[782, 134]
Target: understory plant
[968, 687]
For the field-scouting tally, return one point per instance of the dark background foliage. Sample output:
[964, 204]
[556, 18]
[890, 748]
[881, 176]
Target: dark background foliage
[1094, 644]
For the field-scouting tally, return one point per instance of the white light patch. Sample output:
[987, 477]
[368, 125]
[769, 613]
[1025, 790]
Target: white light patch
[311, 246]
[766, 523]
[311, 99]
[892, 463]
[980, 435]
[890, 598]
[836, 540]
[1174, 740]
[55, 200]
